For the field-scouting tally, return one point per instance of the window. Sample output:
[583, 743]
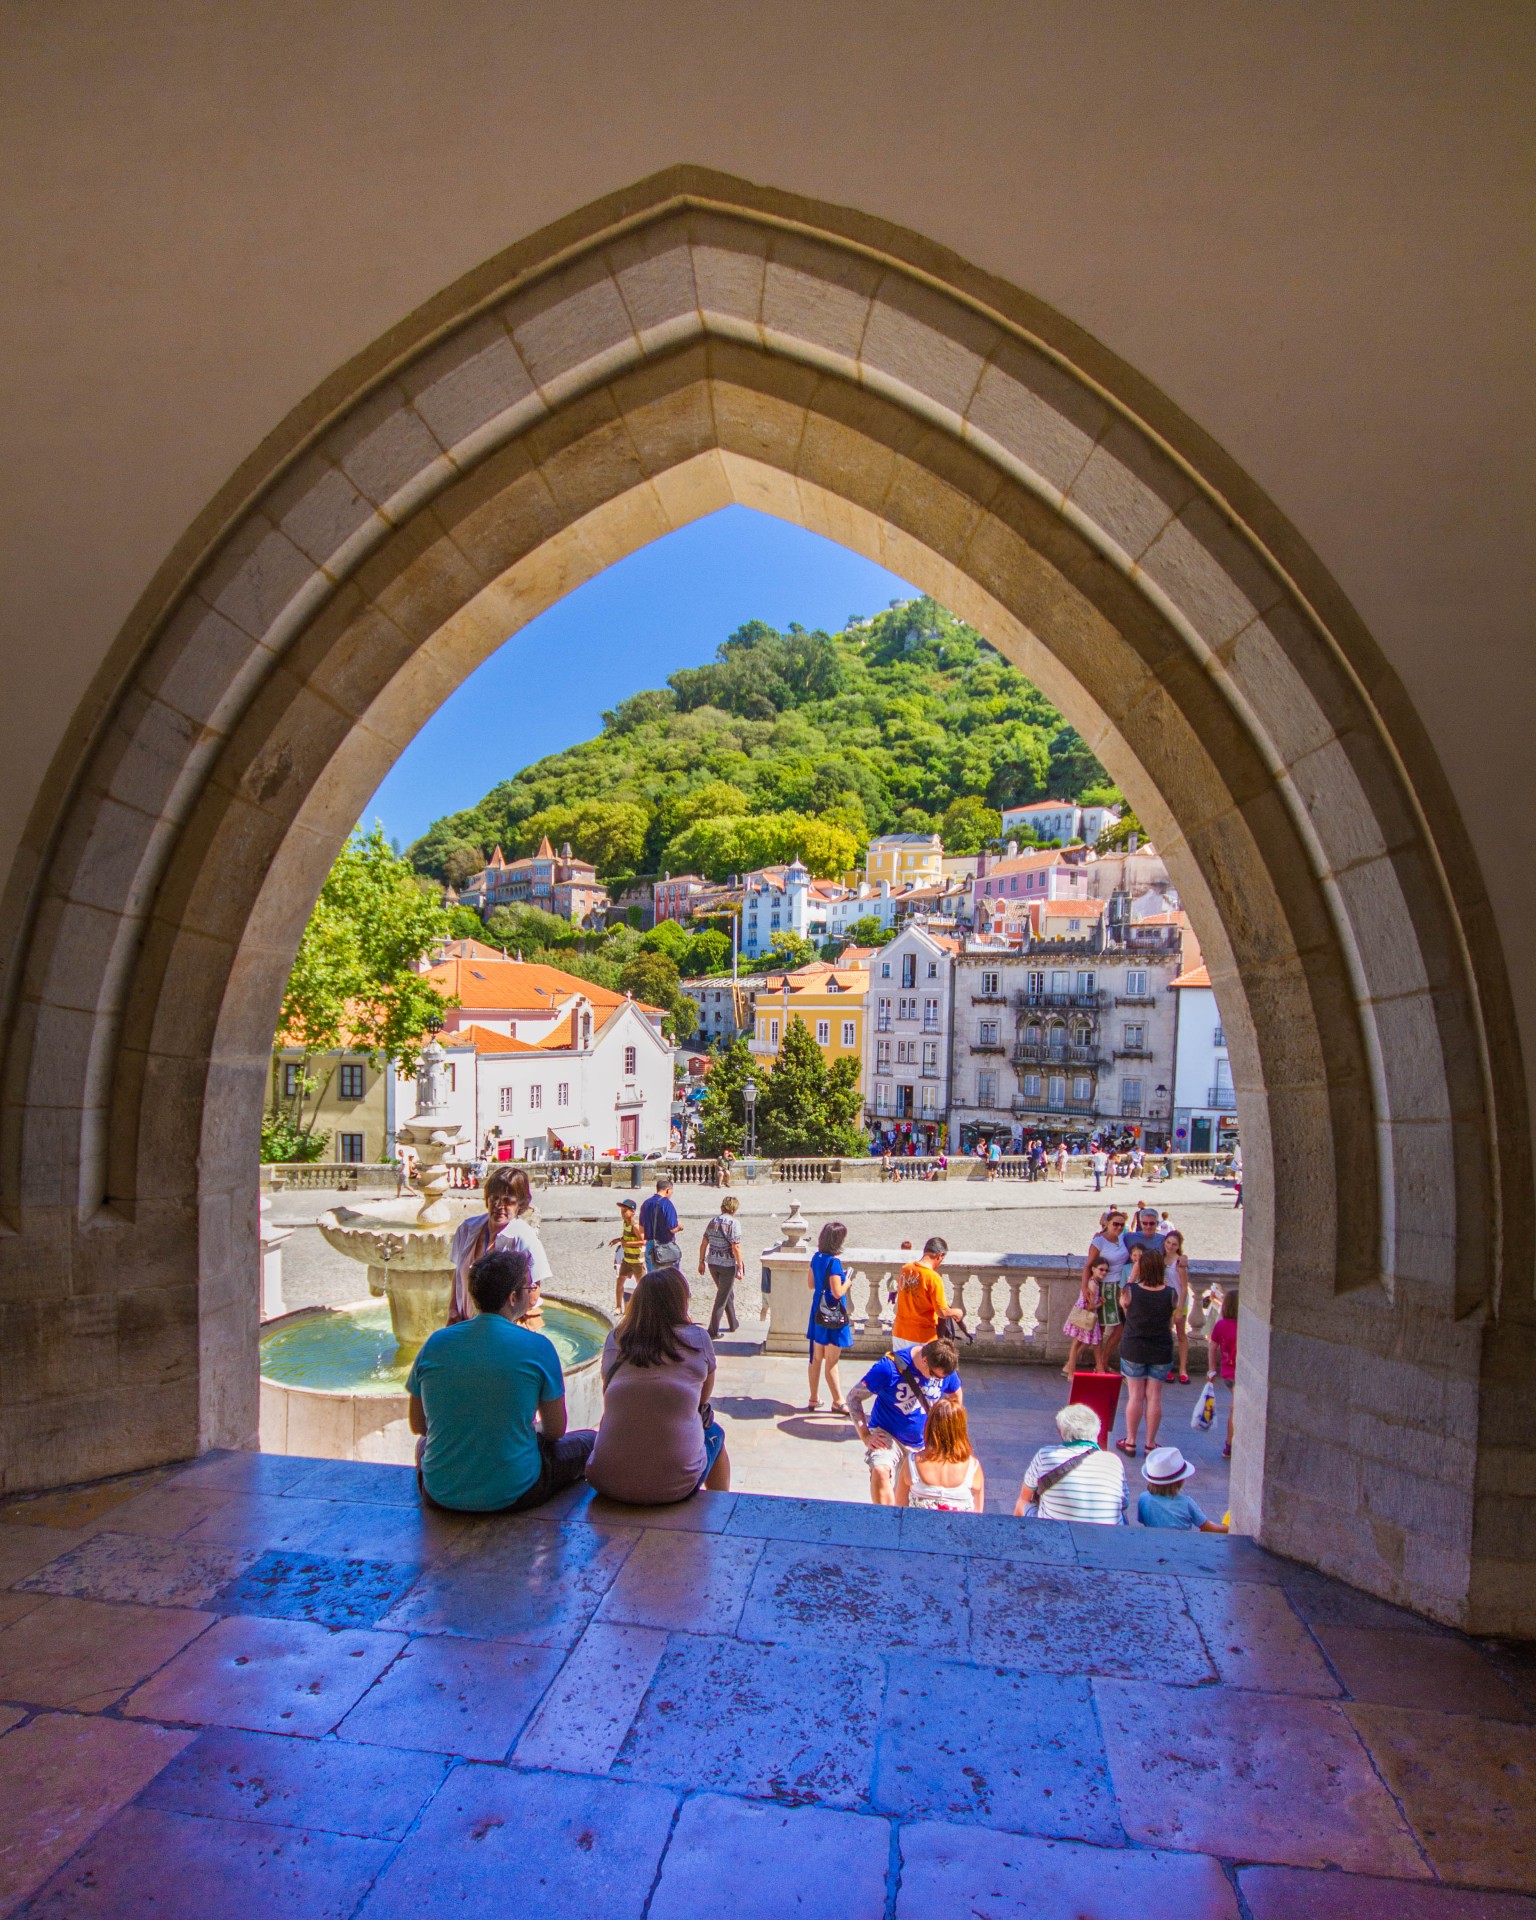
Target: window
[906, 1052]
[1135, 1036]
[1061, 983]
[563, 1094]
[1218, 1038]
[1058, 1039]
[1082, 1087]
[933, 969]
[989, 984]
[986, 1089]
[453, 1077]
[885, 969]
[883, 1015]
[909, 969]
[631, 1059]
[351, 1078]
[1130, 1096]
[1034, 983]
[823, 1033]
[1056, 1092]
[849, 1034]
[509, 1099]
[931, 1057]
[293, 1079]
[882, 1056]
[773, 1033]
[351, 1148]
[1085, 981]
[988, 1033]
[930, 1099]
[1136, 984]
[535, 1096]
[1031, 1086]
[930, 1016]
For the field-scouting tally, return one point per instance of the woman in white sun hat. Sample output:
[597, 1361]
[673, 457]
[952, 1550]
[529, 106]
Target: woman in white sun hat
[1165, 1503]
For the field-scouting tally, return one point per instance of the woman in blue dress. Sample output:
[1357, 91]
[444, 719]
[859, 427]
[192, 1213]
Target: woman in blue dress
[831, 1323]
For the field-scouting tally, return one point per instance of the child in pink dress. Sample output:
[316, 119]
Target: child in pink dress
[1088, 1298]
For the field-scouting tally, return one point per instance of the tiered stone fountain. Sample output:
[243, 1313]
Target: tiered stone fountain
[333, 1379]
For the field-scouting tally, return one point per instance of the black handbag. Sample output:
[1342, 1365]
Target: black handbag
[831, 1315]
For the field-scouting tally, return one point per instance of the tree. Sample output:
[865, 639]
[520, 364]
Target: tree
[354, 983]
[790, 950]
[709, 951]
[866, 931]
[462, 863]
[722, 1113]
[652, 977]
[670, 938]
[809, 1107]
[968, 824]
[1119, 833]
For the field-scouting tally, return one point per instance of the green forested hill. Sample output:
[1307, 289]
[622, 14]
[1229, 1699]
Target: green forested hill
[790, 743]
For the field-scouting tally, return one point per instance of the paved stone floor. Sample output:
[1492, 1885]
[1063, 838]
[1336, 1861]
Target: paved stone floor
[262, 1685]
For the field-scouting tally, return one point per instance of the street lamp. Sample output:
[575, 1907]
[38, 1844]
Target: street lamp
[749, 1106]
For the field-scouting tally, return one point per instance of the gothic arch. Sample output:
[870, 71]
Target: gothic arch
[692, 342]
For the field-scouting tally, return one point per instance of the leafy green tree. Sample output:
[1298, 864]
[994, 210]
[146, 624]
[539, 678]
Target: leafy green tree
[670, 938]
[354, 983]
[525, 930]
[462, 863]
[968, 824]
[867, 931]
[609, 833]
[790, 950]
[463, 923]
[722, 1114]
[809, 1107]
[653, 978]
[709, 951]
[1120, 833]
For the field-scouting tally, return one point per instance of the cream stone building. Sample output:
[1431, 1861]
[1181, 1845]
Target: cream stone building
[1186, 354]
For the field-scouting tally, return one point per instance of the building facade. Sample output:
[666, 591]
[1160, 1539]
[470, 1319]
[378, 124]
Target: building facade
[351, 1101]
[673, 895]
[830, 1000]
[907, 1057]
[1058, 1040]
[725, 1006]
[775, 900]
[1061, 820]
[556, 883]
[904, 859]
[1002, 888]
[1204, 1098]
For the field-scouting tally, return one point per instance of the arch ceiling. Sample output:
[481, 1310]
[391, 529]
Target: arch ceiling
[687, 344]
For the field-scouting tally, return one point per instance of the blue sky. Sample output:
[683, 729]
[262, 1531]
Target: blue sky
[667, 606]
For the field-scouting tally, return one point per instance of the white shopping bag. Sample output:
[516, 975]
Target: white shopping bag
[1205, 1407]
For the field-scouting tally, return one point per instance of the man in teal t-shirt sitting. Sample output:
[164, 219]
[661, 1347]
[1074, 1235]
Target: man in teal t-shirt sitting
[474, 1391]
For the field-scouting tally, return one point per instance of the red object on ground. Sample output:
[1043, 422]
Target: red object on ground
[1101, 1391]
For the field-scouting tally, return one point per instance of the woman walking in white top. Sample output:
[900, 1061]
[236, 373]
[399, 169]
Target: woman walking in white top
[946, 1476]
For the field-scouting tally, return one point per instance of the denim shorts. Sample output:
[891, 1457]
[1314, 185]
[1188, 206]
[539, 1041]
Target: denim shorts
[1147, 1369]
[714, 1441]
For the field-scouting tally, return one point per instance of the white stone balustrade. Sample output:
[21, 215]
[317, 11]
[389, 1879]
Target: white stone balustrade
[1016, 1304]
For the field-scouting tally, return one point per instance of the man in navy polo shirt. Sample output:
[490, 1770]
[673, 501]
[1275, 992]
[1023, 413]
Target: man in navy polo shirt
[903, 1387]
[658, 1221]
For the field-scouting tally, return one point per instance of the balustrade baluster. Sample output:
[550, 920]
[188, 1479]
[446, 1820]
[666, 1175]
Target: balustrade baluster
[985, 1327]
[1013, 1332]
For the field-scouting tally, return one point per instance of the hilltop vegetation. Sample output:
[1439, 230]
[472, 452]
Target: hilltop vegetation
[790, 743]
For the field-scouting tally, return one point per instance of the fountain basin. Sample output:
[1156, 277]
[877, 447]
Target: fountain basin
[333, 1378]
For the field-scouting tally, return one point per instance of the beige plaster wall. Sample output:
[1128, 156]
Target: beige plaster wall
[1308, 226]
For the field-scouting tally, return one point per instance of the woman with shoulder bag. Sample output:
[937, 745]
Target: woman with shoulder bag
[720, 1250]
[830, 1328]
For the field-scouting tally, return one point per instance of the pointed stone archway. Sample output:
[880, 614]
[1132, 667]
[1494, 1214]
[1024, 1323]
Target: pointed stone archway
[689, 343]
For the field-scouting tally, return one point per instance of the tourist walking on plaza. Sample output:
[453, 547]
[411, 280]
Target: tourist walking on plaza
[1083, 1327]
[946, 1477]
[1176, 1267]
[903, 1389]
[474, 1390]
[497, 1229]
[1146, 1347]
[1061, 1161]
[1100, 1161]
[1076, 1480]
[1223, 1344]
[923, 1312]
[1165, 1503]
[720, 1250]
[630, 1260]
[658, 1440]
[658, 1220]
[830, 1327]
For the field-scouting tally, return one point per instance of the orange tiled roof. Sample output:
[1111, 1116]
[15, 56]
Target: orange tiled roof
[515, 984]
[487, 1040]
[1029, 862]
[1196, 977]
[1079, 909]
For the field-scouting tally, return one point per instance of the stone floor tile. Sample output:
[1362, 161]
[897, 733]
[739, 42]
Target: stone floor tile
[24, 1550]
[149, 1572]
[367, 1482]
[10, 1717]
[307, 1586]
[1468, 1786]
[1515, 1663]
[416, 1536]
[14, 1605]
[700, 1513]
[1137, 1549]
[1299, 1893]
[1385, 1668]
[261, 1521]
[1079, 1620]
[683, 1582]
[983, 1875]
[741, 1858]
[832, 1596]
[986, 1536]
[271, 1676]
[80, 1509]
[1252, 1633]
[829, 1522]
[780, 1723]
[83, 1654]
[1263, 1777]
[61, 1777]
[509, 1843]
[178, 1868]
[449, 1695]
[1325, 1602]
[536, 1582]
[166, 1512]
[587, 1712]
[330, 1786]
[1014, 1750]
[239, 1471]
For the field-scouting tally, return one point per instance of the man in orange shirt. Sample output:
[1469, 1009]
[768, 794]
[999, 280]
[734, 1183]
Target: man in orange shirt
[921, 1302]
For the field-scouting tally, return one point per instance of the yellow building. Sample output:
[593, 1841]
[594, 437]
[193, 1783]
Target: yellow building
[830, 1000]
[352, 1102]
[905, 859]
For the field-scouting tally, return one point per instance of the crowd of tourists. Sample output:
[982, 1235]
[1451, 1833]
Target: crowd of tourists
[487, 1394]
